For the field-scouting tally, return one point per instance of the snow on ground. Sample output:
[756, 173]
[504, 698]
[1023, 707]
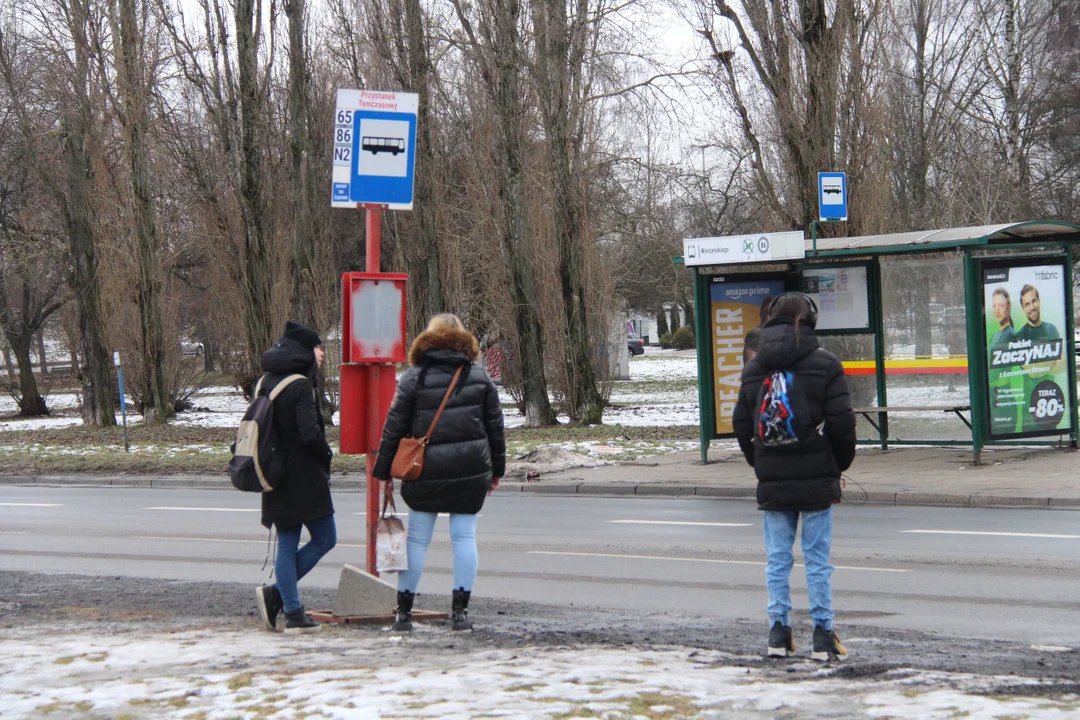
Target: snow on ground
[223, 672]
[662, 391]
[664, 367]
[55, 401]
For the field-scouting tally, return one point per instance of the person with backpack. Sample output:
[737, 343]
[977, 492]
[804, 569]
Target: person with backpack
[796, 428]
[302, 497]
[463, 462]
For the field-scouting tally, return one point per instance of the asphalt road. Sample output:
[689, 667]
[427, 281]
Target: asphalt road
[994, 574]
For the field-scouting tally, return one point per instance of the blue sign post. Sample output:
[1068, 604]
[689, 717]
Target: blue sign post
[123, 402]
[832, 196]
[374, 149]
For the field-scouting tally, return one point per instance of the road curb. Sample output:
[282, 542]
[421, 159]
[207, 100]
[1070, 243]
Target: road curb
[577, 486]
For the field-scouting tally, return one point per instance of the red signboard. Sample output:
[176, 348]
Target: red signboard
[373, 317]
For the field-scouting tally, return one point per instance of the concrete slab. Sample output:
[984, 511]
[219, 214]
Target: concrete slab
[360, 593]
[999, 500]
[665, 489]
[561, 488]
[725, 492]
[606, 489]
[907, 498]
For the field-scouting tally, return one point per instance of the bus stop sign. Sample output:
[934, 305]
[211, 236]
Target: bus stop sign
[374, 149]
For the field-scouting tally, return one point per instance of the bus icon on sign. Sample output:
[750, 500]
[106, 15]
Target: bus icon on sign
[376, 145]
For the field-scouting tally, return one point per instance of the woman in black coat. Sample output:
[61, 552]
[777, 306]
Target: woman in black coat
[303, 499]
[798, 452]
[464, 461]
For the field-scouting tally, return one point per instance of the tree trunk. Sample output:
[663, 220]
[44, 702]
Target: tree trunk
[99, 400]
[924, 346]
[510, 110]
[133, 115]
[1013, 110]
[303, 304]
[31, 404]
[8, 365]
[557, 57]
[43, 358]
[661, 323]
[430, 299]
[257, 269]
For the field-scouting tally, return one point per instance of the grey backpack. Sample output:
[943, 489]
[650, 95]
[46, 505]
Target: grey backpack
[258, 461]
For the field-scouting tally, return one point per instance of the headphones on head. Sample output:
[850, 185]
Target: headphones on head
[809, 300]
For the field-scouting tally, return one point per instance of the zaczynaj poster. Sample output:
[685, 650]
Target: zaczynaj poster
[1026, 350]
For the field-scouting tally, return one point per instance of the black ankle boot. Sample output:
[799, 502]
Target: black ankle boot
[403, 616]
[459, 614]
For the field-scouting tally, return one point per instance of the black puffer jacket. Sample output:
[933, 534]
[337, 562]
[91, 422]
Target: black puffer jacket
[468, 447]
[807, 478]
[305, 494]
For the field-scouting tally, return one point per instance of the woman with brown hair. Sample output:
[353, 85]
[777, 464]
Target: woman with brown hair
[464, 460]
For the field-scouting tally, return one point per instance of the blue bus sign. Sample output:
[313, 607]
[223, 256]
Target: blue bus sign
[832, 196]
[374, 149]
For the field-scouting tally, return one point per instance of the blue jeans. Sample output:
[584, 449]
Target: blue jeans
[462, 538]
[780, 528]
[291, 564]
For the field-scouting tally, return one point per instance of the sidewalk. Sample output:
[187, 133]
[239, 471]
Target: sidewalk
[1013, 477]
[1024, 477]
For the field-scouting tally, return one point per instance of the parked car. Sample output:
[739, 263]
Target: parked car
[635, 345]
[191, 349]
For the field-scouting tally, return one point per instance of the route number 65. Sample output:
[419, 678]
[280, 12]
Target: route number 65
[344, 117]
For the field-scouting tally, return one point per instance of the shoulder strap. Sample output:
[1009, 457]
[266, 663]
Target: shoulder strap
[258, 387]
[442, 405]
[284, 384]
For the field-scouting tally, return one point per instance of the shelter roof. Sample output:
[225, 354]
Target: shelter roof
[1035, 232]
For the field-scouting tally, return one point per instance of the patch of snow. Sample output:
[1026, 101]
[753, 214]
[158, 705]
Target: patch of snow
[664, 368]
[222, 672]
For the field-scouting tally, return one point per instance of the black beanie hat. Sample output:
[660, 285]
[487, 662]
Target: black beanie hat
[302, 334]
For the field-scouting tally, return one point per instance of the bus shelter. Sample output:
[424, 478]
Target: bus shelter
[961, 336]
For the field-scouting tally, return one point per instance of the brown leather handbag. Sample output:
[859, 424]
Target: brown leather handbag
[409, 458]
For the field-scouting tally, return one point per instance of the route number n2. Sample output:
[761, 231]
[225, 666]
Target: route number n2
[342, 154]
[344, 117]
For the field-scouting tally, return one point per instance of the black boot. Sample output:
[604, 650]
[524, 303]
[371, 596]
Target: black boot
[299, 622]
[403, 614]
[459, 614]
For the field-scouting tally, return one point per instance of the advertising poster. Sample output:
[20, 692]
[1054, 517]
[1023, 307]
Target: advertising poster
[736, 308]
[1026, 351]
[842, 296]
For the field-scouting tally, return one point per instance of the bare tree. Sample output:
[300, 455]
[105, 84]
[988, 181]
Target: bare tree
[232, 90]
[65, 28]
[495, 47]
[796, 52]
[135, 70]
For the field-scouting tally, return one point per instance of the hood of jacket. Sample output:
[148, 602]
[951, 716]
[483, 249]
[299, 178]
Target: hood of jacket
[444, 346]
[286, 357]
[780, 347]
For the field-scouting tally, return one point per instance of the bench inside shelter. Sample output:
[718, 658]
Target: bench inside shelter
[867, 412]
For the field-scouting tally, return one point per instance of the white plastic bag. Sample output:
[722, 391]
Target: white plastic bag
[390, 554]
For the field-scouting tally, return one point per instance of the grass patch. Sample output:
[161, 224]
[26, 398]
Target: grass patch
[241, 681]
[82, 706]
[581, 712]
[155, 450]
[666, 706]
[528, 687]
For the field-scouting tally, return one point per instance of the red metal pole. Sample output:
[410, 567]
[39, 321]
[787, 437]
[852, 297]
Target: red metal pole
[373, 227]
